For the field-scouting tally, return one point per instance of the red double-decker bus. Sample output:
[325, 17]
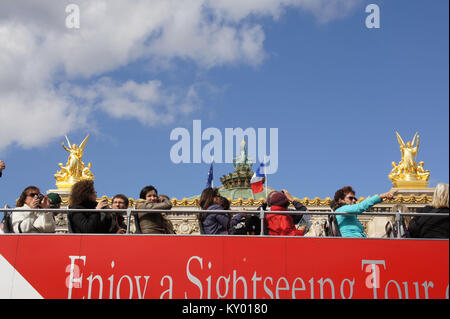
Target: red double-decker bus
[92, 266]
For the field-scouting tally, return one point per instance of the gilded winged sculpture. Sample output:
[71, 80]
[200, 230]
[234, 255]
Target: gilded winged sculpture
[407, 169]
[75, 170]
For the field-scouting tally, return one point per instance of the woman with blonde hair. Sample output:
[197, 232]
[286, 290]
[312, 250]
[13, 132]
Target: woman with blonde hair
[432, 226]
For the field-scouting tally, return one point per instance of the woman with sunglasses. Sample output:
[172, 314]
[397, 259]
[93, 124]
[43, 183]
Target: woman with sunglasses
[33, 222]
[345, 202]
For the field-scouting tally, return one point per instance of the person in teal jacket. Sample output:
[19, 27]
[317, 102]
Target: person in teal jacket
[345, 202]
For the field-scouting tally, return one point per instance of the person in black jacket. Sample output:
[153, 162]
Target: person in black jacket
[432, 226]
[84, 196]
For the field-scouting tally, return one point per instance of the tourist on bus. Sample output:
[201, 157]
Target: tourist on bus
[345, 202]
[432, 226]
[225, 203]
[152, 223]
[297, 205]
[283, 224]
[119, 201]
[33, 222]
[212, 223]
[84, 196]
[266, 201]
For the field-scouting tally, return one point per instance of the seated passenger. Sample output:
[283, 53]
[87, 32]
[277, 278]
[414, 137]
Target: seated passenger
[33, 222]
[55, 200]
[119, 201]
[152, 223]
[283, 224]
[225, 203]
[432, 226]
[84, 196]
[345, 201]
[211, 223]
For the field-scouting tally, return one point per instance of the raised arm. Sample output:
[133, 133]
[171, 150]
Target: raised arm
[367, 203]
[64, 146]
[298, 206]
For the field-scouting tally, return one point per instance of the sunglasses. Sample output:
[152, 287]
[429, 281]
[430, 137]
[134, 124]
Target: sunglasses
[352, 198]
[33, 194]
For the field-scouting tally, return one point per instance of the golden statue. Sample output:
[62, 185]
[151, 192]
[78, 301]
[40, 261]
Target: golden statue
[407, 173]
[75, 170]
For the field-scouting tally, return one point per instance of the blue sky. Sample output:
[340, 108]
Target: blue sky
[336, 91]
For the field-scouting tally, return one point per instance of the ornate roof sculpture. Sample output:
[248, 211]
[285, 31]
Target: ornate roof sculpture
[75, 170]
[407, 174]
[236, 185]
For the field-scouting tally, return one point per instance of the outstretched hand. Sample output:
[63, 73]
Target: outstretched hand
[389, 195]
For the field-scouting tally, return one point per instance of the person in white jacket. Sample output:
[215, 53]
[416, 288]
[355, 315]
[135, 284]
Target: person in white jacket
[33, 222]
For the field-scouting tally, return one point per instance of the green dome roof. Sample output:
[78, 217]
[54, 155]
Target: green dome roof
[236, 185]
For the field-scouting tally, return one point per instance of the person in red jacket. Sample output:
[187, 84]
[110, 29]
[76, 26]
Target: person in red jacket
[282, 224]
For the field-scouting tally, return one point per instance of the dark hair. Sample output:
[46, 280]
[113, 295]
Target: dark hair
[340, 194]
[23, 196]
[225, 203]
[81, 193]
[207, 197]
[147, 189]
[334, 205]
[206, 200]
[121, 196]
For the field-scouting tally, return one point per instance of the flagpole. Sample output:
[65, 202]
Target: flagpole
[212, 181]
[265, 174]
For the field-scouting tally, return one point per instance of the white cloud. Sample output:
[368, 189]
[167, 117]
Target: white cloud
[38, 53]
[149, 103]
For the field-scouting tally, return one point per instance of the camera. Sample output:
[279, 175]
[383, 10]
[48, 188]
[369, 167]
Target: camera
[40, 197]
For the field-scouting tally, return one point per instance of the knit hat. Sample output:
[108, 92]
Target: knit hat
[55, 199]
[279, 199]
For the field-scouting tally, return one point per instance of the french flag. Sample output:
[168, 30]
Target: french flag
[257, 181]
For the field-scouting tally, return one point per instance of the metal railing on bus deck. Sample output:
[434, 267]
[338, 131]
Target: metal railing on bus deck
[261, 213]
